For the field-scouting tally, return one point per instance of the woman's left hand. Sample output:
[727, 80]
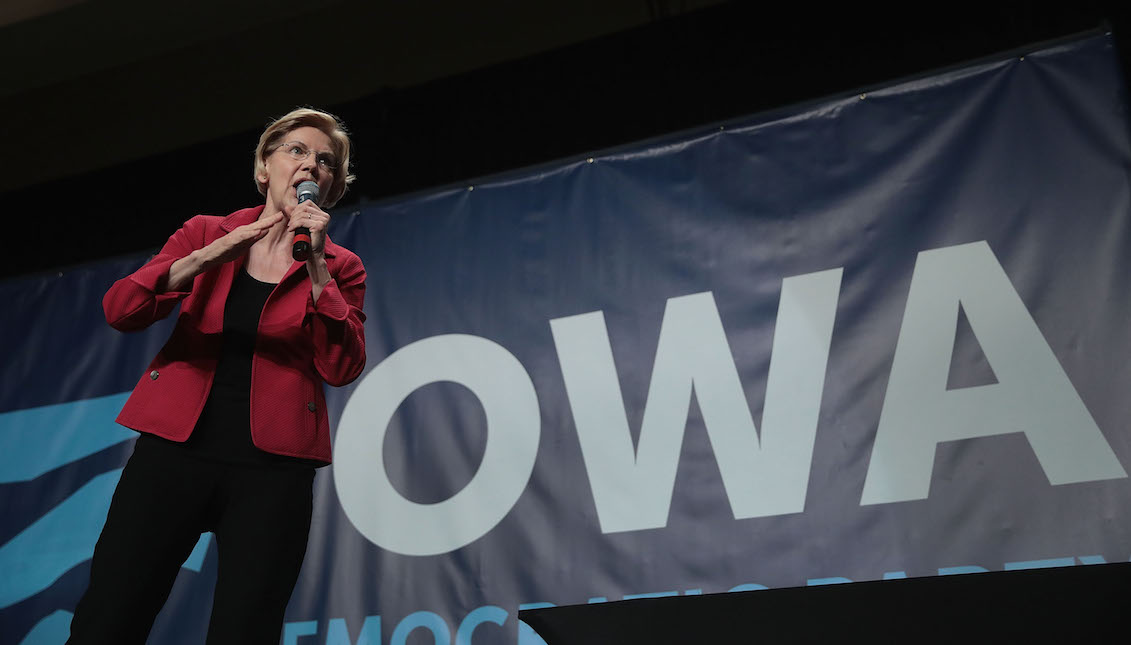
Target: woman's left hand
[308, 215]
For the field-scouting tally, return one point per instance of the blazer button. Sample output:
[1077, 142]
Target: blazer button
[153, 375]
[309, 406]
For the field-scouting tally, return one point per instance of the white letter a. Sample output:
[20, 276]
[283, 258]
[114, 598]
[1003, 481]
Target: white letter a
[1033, 394]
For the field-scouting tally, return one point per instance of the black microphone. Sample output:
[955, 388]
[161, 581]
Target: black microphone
[307, 190]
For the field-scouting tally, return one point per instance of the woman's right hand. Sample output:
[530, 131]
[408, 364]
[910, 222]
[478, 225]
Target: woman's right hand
[220, 251]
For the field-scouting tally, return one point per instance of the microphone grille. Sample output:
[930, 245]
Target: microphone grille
[307, 190]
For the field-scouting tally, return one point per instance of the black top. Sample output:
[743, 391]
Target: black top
[223, 431]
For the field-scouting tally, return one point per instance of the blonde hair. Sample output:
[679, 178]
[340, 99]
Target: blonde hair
[273, 136]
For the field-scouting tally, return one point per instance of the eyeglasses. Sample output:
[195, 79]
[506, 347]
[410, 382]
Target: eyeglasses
[299, 152]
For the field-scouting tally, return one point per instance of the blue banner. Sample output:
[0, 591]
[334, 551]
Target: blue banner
[874, 337]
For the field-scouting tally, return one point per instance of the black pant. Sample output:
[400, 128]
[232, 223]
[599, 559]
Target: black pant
[163, 502]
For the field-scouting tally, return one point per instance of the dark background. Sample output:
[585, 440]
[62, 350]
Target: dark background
[123, 118]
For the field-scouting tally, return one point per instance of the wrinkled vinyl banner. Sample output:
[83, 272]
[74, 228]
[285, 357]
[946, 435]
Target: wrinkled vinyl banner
[875, 337]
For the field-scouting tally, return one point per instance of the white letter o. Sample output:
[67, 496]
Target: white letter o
[510, 405]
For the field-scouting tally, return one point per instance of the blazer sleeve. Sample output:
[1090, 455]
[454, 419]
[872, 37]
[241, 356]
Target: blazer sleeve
[336, 324]
[139, 299]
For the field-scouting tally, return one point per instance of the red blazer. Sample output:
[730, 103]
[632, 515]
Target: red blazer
[300, 343]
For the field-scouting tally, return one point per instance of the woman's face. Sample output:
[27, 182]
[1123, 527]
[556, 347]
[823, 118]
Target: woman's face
[284, 170]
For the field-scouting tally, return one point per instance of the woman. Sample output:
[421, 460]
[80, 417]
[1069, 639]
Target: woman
[231, 411]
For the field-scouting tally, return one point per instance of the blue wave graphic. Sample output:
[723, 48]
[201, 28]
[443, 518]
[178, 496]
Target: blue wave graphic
[56, 542]
[38, 440]
[52, 630]
[64, 538]
[195, 561]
